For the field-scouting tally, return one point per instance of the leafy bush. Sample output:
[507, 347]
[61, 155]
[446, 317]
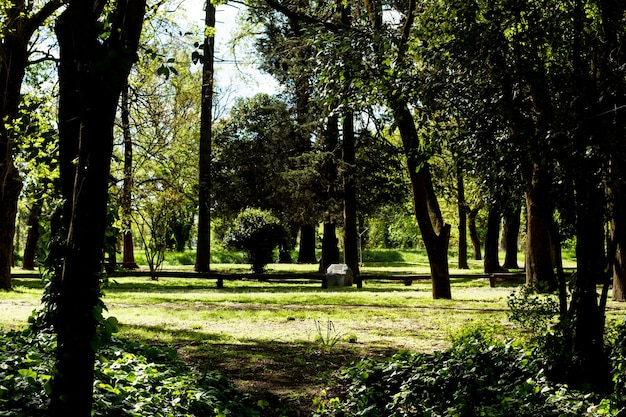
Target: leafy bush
[131, 380]
[258, 233]
[476, 377]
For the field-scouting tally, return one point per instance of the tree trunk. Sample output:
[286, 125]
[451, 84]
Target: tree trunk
[306, 254]
[492, 261]
[330, 249]
[539, 260]
[471, 217]
[435, 232]
[590, 363]
[128, 255]
[32, 238]
[510, 235]
[587, 313]
[92, 73]
[618, 237]
[350, 234]
[203, 249]
[8, 208]
[613, 59]
[462, 208]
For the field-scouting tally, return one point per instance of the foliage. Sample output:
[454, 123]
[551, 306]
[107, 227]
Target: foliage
[476, 377]
[131, 380]
[534, 312]
[251, 151]
[393, 226]
[257, 232]
[618, 365]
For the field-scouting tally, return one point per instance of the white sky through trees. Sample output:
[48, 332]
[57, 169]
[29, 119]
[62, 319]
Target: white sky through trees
[236, 73]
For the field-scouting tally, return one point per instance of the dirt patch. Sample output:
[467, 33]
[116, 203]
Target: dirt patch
[283, 379]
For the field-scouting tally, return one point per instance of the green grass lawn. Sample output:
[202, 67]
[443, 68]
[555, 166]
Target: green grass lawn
[285, 337]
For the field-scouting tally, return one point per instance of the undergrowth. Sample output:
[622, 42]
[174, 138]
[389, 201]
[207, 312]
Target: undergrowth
[478, 376]
[131, 380]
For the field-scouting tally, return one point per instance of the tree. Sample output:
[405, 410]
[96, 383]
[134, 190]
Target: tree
[203, 249]
[510, 235]
[544, 97]
[20, 20]
[383, 68]
[253, 149]
[258, 233]
[156, 138]
[128, 257]
[95, 61]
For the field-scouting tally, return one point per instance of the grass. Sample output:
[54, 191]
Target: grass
[266, 336]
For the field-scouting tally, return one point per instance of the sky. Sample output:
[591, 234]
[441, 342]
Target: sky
[242, 78]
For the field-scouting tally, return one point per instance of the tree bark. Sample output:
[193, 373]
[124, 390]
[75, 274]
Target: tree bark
[590, 363]
[203, 249]
[32, 238]
[306, 254]
[611, 64]
[471, 217]
[492, 261]
[92, 73]
[510, 235]
[128, 256]
[462, 208]
[435, 232]
[350, 234]
[618, 237]
[539, 260]
[330, 249]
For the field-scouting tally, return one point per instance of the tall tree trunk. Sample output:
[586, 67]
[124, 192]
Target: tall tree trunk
[32, 237]
[539, 260]
[612, 62]
[473, 231]
[510, 235]
[128, 247]
[350, 234]
[462, 208]
[435, 232]
[590, 364]
[203, 249]
[306, 254]
[586, 310]
[492, 261]
[92, 74]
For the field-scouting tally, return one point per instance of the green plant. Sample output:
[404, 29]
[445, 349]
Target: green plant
[476, 377]
[327, 335]
[131, 380]
[535, 313]
[258, 233]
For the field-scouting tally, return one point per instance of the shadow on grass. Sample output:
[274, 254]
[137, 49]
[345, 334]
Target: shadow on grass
[270, 285]
[274, 283]
[288, 375]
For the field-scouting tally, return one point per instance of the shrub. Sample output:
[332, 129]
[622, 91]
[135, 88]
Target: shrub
[258, 233]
